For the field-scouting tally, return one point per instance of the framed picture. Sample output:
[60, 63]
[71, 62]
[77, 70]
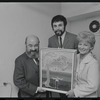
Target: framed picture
[57, 69]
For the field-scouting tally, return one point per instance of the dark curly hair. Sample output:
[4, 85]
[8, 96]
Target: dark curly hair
[58, 18]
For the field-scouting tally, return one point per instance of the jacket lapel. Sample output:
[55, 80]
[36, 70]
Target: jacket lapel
[56, 41]
[66, 39]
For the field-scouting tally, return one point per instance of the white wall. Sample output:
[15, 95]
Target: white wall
[78, 8]
[16, 22]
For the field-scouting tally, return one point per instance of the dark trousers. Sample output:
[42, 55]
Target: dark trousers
[40, 95]
[48, 94]
[36, 95]
[62, 96]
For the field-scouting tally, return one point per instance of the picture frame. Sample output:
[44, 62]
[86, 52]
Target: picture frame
[57, 69]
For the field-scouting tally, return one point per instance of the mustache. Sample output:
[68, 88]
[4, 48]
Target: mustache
[33, 50]
[58, 31]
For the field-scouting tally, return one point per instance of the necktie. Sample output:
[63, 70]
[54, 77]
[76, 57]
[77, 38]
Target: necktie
[37, 61]
[60, 42]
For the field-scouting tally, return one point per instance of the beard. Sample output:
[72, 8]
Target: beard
[32, 53]
[59, 32]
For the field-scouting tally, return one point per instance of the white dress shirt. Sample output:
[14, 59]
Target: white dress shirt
[63, 36]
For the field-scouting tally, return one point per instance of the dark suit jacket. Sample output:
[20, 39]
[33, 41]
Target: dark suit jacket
[26, 75]
[70, 41]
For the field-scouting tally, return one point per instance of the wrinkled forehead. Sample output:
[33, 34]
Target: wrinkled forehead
[32, 40]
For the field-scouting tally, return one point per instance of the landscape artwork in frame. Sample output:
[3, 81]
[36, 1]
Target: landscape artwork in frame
[57, 69]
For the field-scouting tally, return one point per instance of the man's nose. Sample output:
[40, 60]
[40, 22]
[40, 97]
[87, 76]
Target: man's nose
[33, 48]
[57, 27]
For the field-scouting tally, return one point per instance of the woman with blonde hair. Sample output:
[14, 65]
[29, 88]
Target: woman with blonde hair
[87, 73]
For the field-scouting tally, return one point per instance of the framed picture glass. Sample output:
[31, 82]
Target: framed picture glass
[57, 69]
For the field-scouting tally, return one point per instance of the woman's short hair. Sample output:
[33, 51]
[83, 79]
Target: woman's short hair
[87, 36]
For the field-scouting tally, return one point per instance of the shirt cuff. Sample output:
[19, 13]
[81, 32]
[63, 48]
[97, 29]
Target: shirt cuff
[36, 90]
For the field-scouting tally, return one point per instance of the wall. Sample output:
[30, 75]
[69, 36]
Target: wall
[75, 9]
[16, 22]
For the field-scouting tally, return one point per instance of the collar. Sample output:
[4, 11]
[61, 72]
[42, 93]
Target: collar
[87, 58]
[63, 36]
[29, 57]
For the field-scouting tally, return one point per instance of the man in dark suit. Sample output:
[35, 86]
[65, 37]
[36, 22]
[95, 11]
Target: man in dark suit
[62, 38]
[68, 40]
[26, 72]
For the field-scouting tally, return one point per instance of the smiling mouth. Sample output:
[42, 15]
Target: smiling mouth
[82, 50]
[58, 32]
[32, 52]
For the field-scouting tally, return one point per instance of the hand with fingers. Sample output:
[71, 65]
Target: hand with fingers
[70, 94]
